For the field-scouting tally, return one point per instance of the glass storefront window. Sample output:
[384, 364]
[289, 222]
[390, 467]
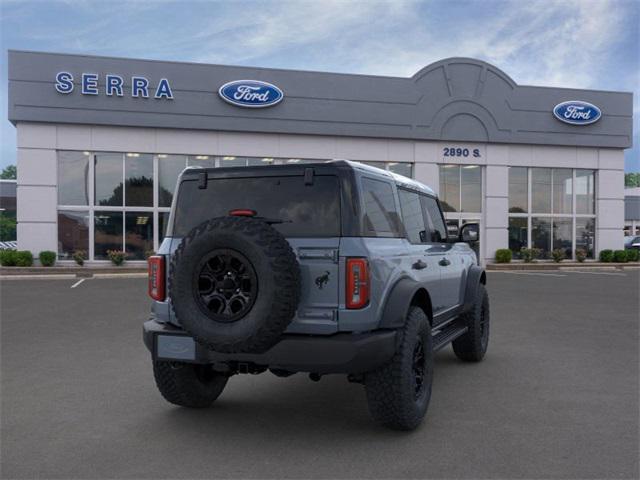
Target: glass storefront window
[125, 181]
[169, 167]
[138, 234]
[541, 190]
[450, 188]
[108, 179]
[252, 162]
[401, 169]
[563, 235]
[107, 233]
[206, 161]
[138, 173]
[73, 178]
[585, 235]
[517, 235]
[471, 188]
[585, 192]
[73, 233]
[518, 190]
[562, 190]
[233, 162]
[163, 221]
[541, 235]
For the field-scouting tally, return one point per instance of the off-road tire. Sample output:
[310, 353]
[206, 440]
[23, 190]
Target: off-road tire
[188, 385]
[391, 390]
[278, 284]
[472, 346]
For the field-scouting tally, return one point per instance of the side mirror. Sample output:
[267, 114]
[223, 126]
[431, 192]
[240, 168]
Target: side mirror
[453, 233]
[470, 233]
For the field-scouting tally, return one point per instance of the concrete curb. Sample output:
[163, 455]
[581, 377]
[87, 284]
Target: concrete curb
[81, 272]
[54, 276]
[498, 267]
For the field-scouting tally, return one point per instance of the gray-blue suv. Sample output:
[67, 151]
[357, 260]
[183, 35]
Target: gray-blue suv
[333, 267]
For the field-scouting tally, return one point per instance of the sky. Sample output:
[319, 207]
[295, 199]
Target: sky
[566, 43]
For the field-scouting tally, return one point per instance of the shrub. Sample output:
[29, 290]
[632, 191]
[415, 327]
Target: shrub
[526, 254]
[606, 255]
[633, 255]
[149, 253]
[530, 254]
[503, 255]
[24, 258]
[47, 258]
[117, 257]
[581, 254]
[558, 255]
[8, 258]
[620, 256]
[79, 256]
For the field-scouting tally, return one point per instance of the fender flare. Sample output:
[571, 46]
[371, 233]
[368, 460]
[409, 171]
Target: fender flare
[475, 276]
[398, 301]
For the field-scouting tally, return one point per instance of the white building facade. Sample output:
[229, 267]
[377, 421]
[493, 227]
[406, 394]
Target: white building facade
[97, 171]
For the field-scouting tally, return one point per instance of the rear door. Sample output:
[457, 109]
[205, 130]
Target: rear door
[439, 251]
[423, 266]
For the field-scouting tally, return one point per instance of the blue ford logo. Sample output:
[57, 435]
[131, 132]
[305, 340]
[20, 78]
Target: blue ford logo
[250, 93]
[576, 112]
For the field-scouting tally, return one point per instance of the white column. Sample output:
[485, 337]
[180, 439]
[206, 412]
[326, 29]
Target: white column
[37, 188]
[610, 200]
[496, 209]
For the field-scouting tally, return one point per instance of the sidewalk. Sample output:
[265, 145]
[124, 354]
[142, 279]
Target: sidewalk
[562, 265]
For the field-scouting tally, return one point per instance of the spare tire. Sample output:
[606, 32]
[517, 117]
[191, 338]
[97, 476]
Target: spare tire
[234, 284]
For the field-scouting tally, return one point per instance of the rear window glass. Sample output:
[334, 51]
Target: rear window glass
[306, 210]
[380, 215]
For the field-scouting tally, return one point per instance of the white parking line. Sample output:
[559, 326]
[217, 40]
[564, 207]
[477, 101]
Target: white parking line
[78, 283]
[532, 273]
[598, 273]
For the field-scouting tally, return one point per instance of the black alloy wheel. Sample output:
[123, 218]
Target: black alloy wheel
[225, 285]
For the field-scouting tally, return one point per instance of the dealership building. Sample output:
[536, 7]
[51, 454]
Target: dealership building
[101, 142]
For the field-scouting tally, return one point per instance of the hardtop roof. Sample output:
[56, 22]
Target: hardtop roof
[323, 166]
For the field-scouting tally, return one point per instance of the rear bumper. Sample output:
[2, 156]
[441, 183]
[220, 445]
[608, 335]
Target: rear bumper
[339, 353]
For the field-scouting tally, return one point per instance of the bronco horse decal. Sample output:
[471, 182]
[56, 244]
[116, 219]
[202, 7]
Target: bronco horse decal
[322, 280]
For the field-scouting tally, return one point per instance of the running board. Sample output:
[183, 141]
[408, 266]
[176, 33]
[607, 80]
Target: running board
[448, 333]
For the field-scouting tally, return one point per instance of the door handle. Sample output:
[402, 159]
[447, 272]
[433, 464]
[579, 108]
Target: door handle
[419, 265]
[444, 262]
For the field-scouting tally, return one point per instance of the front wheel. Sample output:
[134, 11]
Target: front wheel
[398, 394]
[188, 385]
[472, 346]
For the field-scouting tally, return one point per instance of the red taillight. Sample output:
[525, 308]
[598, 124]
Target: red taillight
[242, 212]
[156, 277]
[357, 283]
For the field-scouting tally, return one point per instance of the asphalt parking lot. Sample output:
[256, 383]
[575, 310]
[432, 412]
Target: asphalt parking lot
[556, 397]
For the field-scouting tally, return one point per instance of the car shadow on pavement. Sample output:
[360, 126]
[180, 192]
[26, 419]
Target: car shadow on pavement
[292, 406]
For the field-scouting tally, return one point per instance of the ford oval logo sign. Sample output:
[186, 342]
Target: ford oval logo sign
[251, 93]
[577, 112]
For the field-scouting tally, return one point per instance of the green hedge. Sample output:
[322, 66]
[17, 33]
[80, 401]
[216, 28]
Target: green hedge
[558, 255]
[620, 256]
[633, 255]
[503, 255]
[8, 258]
[24, 258]
[606, 255]
[47, 258]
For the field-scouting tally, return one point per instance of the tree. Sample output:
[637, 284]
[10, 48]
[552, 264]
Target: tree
[632, 180]
[9, 173]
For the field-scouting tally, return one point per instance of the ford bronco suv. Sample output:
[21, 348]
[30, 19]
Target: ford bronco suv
[323, 268]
